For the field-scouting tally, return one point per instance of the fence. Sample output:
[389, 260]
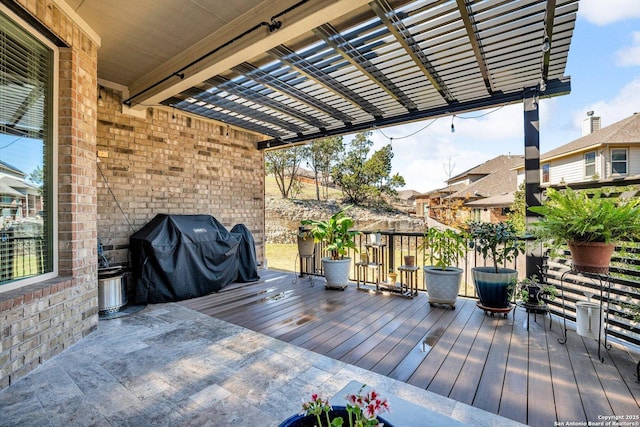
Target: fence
[20, 257]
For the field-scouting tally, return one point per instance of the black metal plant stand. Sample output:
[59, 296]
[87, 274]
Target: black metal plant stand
[602, 275]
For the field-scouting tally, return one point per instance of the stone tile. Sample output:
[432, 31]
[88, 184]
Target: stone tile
[22, 412]
[170, 366]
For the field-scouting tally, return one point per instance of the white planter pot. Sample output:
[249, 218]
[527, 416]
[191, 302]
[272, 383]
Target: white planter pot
[442, 285]
[336, 271]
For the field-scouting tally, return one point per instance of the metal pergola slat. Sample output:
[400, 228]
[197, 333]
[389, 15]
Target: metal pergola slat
[397, 61]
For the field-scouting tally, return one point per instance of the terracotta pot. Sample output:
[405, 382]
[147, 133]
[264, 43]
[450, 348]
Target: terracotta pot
[591, 257]
[409, 260]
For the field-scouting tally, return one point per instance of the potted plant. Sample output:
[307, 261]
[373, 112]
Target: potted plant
[499, 244]
[589, 223]
[534, 295]
[363, 409]
[442, 248]
[338, 238]
[306, 244]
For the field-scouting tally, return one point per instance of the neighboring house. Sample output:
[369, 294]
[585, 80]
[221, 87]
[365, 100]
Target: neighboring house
[483, 193]
[609, 153]
[18, 199]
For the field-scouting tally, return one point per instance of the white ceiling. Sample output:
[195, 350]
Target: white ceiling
[139, 36]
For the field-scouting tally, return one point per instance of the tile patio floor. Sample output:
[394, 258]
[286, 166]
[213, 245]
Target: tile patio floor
[168, 365]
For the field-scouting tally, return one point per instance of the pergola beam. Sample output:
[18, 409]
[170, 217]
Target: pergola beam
[397, 28]
[305, 67]
[343, 46]
[555, 87]
[469, 26]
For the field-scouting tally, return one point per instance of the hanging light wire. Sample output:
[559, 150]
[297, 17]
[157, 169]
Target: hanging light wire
[434, 120]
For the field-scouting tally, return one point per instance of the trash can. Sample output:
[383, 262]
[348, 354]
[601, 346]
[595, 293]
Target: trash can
[112, 290]
[589, 319]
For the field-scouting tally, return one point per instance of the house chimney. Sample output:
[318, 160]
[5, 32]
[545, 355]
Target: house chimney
[590, 124]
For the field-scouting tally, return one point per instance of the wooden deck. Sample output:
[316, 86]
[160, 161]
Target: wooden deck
[493, 363]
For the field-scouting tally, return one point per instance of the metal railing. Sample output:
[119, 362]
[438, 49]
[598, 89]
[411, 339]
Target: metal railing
[20, 257]
[620, 299]
[390, 253]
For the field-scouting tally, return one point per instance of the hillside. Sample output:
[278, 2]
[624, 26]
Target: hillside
[283, 215]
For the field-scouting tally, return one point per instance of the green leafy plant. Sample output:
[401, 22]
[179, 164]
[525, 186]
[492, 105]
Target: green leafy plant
[496, 241]
[581, 216]
[362, 409]
[335, 232]
[531, 291]
[443, 247]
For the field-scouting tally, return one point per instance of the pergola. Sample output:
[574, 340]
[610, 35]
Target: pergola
[297, 70]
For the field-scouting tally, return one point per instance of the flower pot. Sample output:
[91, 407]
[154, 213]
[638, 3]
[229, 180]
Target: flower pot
[393, 277]
[336, 271]
[442, 285]
[591, 257]
[494, 289]
[306, 245]
[409, 260]
[364, 258]
[375, 238]
[299, 420]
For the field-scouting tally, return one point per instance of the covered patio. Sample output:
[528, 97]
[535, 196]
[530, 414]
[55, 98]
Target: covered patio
[178, 105]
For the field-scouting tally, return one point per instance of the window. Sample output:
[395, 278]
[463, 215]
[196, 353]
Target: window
[590, 164]
[545, 172]
[27, 147]
[619, 161]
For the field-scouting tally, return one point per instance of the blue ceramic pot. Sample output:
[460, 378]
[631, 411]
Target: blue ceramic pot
[494, 289]
[311, 420]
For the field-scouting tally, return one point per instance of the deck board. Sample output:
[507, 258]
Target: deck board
[493, 363]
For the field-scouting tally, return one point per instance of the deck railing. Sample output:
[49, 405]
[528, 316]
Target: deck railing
[20, 257]
[620, 287]
[620, 297]
[390, 255]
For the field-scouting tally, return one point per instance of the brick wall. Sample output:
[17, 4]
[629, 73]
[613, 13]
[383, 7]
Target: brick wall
[40, 320]
[174, 164]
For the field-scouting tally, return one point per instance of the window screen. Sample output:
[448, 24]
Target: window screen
[26, 147]
[590, 164]
[619, 161]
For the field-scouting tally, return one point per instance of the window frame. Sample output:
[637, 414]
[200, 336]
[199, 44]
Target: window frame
[626, 161]
[590, 164]
[51, 151]
[545, 171]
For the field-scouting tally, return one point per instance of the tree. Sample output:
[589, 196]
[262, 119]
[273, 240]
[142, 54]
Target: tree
[37, 175]
[365, 179]
[320, 155]
[518, 210]
[284, 164]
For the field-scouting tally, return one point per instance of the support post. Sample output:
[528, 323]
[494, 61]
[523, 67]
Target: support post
[532, 177]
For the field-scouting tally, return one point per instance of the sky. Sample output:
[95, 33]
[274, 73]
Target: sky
[604, 66]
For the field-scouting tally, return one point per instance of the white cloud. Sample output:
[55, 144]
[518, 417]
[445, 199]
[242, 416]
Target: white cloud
[604, 12]
[624, 104]
[423, 158]
[630, 55]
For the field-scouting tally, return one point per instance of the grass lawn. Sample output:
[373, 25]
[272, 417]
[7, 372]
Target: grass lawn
[282, 256]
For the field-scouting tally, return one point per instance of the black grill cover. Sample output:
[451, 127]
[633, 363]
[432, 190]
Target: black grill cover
[248, 261]
[177, 257]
